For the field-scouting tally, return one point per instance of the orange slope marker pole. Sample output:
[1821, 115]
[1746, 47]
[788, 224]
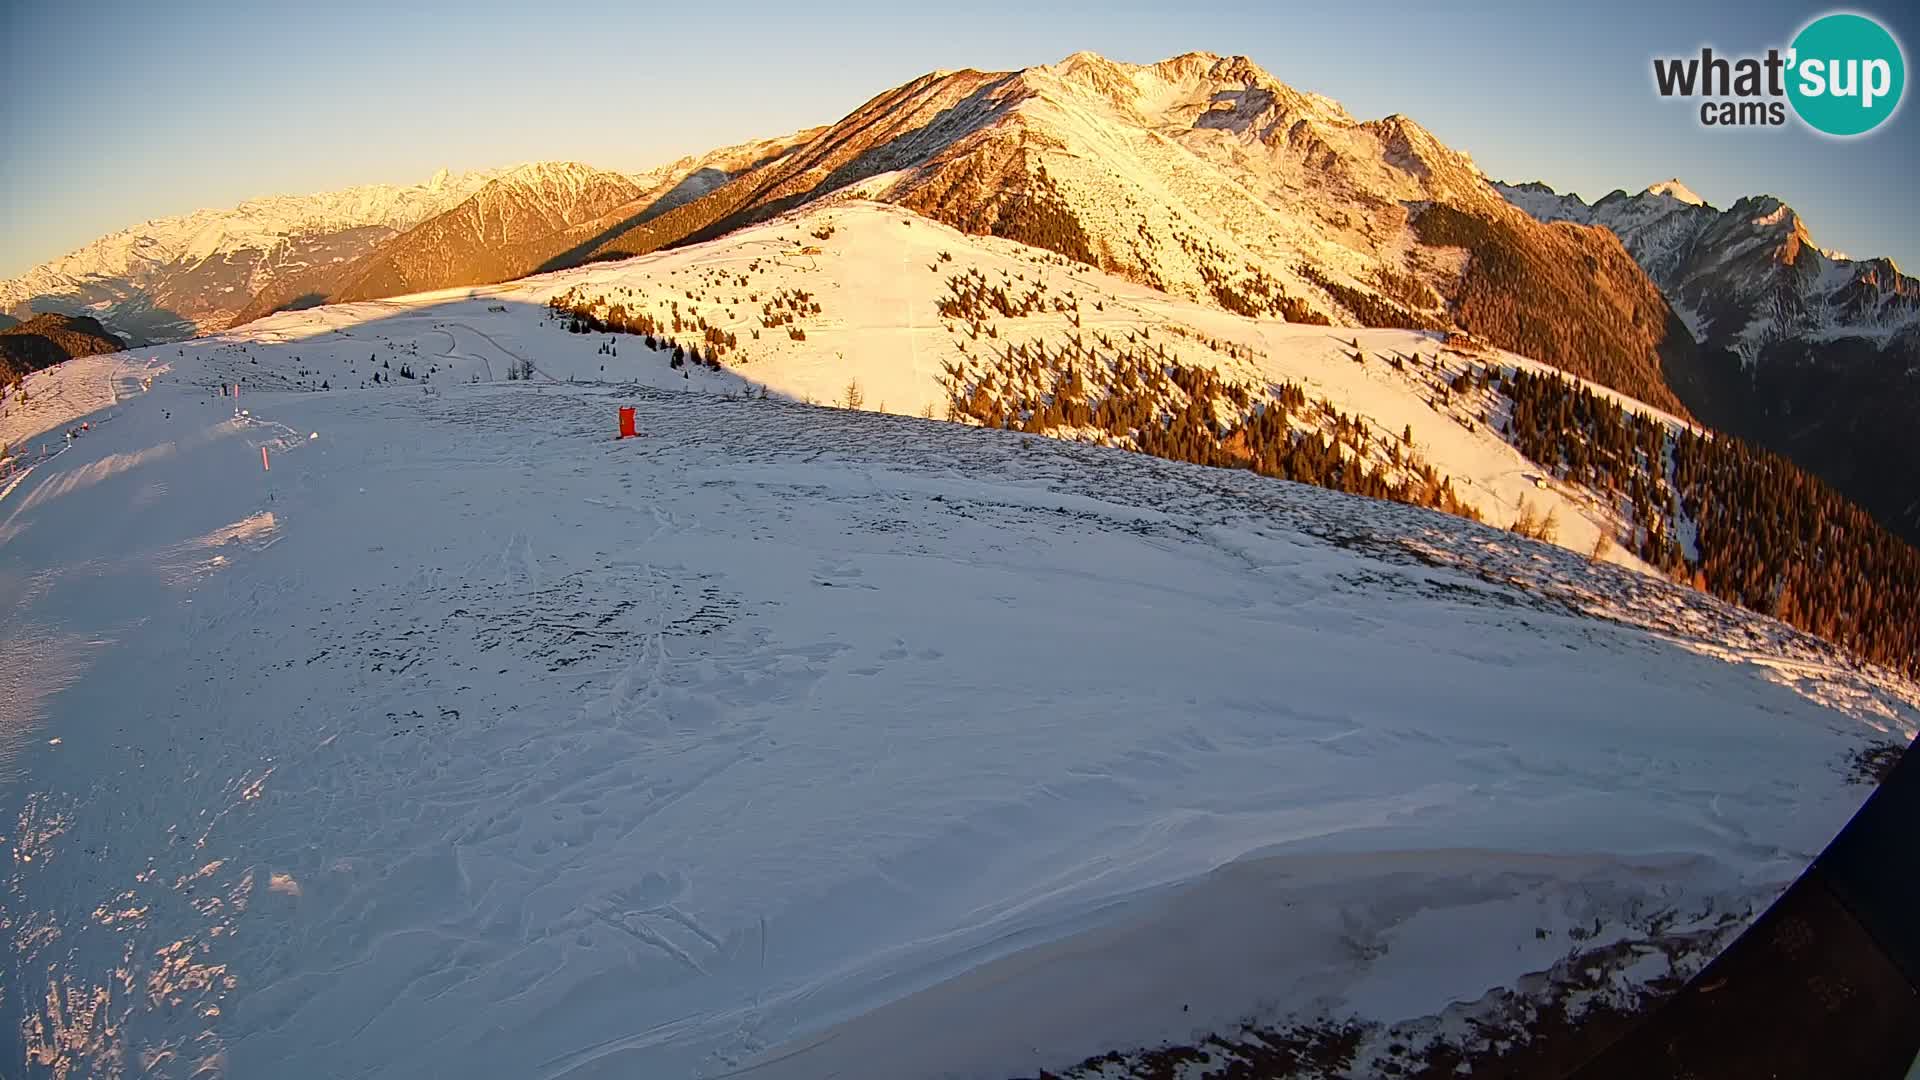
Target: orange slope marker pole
[264, 467]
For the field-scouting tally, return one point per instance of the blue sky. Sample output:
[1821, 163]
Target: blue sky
[119, 112]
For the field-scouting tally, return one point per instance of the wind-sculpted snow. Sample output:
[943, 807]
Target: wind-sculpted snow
[470, 741]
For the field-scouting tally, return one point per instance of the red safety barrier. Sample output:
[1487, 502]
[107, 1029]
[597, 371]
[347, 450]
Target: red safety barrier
[626, 423]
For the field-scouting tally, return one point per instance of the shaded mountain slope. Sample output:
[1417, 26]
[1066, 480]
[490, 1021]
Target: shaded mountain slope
[49, 339]
[1804, 351]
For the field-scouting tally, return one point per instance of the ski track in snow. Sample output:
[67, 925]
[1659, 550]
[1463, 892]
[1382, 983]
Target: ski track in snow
[468, 741]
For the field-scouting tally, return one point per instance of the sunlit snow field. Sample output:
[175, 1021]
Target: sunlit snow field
[469, 741]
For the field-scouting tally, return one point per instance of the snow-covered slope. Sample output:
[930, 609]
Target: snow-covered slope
[880, 276]
[170, 277]
[173, 277]
[467, 740]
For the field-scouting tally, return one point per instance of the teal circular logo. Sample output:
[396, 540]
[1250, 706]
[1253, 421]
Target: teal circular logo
[1847, 74]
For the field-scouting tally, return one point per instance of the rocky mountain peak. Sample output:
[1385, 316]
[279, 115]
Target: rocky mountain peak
[1674, 189]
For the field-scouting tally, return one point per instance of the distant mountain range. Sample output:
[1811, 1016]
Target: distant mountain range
[522, 220]
[484, 238]
[173, 277]
[1805, 351]
[1745, 278]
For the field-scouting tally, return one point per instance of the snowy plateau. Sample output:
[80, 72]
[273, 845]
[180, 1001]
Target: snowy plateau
[800, 741]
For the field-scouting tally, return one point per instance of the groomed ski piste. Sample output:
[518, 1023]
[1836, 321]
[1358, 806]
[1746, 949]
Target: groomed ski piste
[793, 741]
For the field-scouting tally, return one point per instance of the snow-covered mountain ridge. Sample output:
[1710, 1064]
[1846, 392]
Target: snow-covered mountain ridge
[485, 238]
[1744, 277]
[173, 276]
[1207, 178]
[525, 219]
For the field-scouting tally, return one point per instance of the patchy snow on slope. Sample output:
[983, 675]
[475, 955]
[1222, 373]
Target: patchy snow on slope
[468, 740]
